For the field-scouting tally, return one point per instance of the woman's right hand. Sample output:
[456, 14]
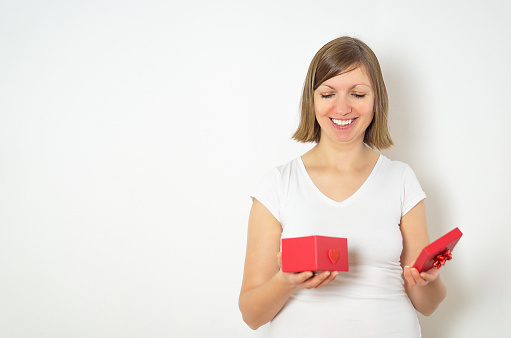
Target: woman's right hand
[306, 279]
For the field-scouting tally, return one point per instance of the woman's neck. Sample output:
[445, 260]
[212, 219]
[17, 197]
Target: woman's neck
[344, 157]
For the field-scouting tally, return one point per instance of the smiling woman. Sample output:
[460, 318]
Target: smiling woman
[343, 106]
[343, 188]
[338, 57]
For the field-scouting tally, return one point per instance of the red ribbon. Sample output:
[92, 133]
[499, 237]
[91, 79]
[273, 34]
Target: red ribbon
[440, 259]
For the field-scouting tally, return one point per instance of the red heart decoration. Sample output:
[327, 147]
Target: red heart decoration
[333, 255]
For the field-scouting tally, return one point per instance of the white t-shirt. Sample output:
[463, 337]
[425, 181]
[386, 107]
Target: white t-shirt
[368, 300]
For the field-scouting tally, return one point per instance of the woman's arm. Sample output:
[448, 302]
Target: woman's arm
[265, 287]
[426, 290]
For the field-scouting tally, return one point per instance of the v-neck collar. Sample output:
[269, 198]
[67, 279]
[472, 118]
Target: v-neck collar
[349, 199]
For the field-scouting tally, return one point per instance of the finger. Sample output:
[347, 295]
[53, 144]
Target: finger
[407, 273]
[302, 277]
[431, 274]
[328, 279]
[318, 279]
[418, 278]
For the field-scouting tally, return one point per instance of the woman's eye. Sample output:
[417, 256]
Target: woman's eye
[359, 96]
[326, 96]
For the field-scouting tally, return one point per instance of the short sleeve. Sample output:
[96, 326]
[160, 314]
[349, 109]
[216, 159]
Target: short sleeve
[412, 191]
[268, 192]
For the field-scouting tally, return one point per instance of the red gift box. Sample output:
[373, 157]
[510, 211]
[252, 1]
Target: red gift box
[314, 253]
[438, 252]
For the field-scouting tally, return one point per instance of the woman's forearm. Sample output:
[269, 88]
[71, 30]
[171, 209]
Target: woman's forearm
[426, 298]
[261, 304]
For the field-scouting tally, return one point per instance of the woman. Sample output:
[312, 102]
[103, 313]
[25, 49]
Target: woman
[341, 188]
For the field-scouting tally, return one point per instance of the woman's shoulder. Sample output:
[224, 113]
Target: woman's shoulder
[288, 168]
[395, 166]
[277, 180]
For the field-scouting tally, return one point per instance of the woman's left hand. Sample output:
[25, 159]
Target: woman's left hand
[413, 277]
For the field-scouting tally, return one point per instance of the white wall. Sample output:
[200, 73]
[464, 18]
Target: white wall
[132, 133]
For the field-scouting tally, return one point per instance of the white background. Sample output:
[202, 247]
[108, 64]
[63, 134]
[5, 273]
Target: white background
[133, 132]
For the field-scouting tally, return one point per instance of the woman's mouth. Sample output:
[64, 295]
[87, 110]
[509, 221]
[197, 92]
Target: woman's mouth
[342, 123]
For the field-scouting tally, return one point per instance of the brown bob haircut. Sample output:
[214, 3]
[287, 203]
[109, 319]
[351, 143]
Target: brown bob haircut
[336, 57]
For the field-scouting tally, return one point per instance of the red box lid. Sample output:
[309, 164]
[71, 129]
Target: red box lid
[427, 256]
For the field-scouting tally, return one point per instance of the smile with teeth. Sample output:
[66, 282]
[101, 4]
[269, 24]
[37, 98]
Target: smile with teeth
[342, 123]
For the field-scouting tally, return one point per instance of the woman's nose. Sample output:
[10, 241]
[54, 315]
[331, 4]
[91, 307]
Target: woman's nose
[343, 106]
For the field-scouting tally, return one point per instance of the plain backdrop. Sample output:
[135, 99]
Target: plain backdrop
[133, 132]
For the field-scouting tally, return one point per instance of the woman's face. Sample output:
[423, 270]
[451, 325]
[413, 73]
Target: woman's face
[344, 106]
